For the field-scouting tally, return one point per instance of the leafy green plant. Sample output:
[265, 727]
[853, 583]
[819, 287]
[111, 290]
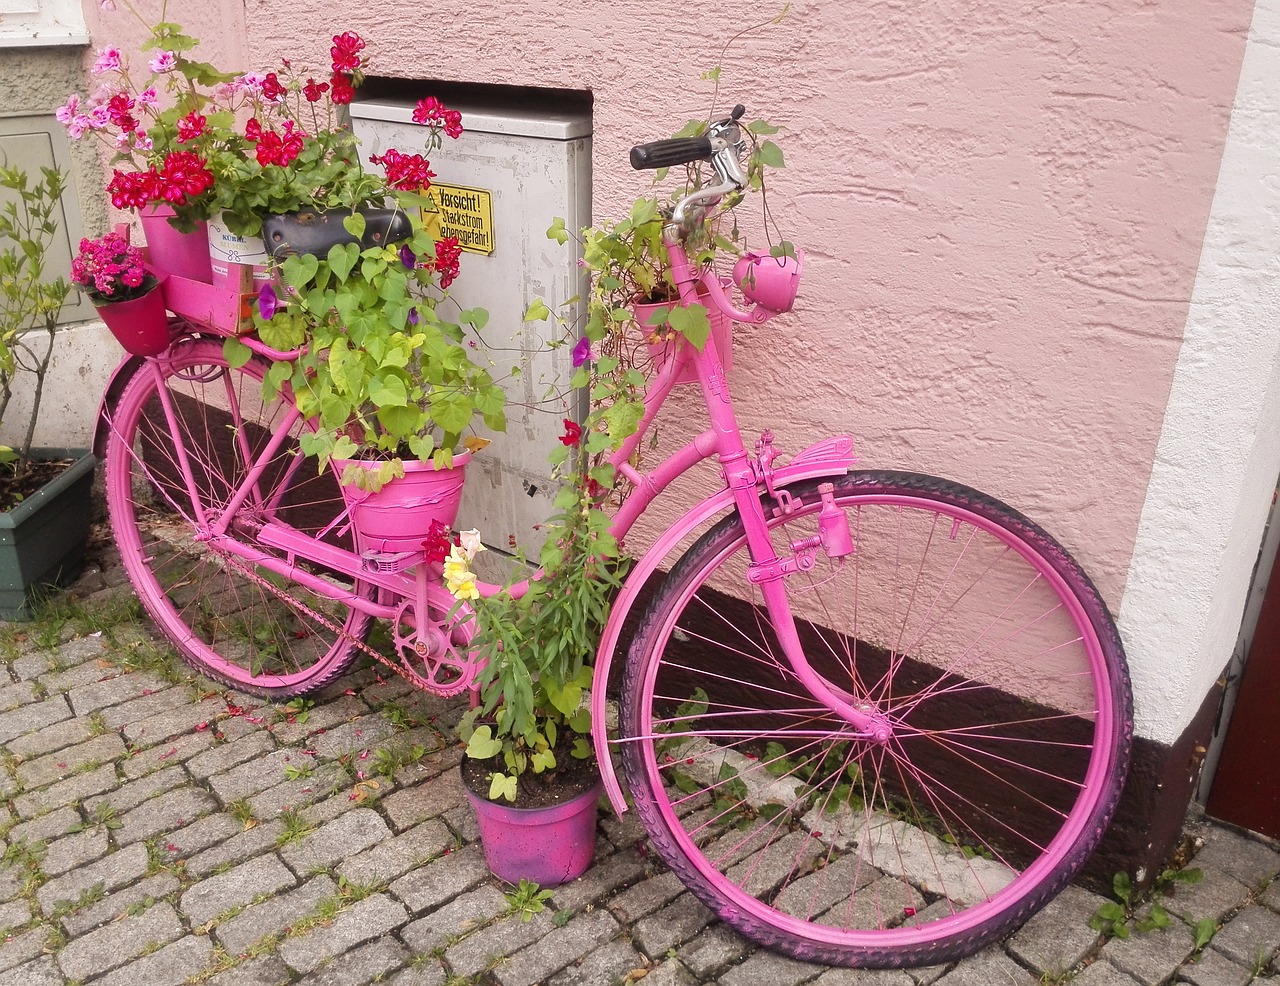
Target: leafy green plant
[527, 900]
[30, 299]
[1115, 917]
[1204, 930]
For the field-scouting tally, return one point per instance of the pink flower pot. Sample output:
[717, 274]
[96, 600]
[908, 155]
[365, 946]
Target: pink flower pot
[678, 348]
[174, 252]
[549, 846]
[398, 516]
[140, 325]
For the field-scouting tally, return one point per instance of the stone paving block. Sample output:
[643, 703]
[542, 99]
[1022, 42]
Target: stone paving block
[75, 850]
[73, 760]
[393, 857]
[366, 733]
[110, 691]
[1103, 973]
[1212, 968]
[113, 905]
[340, 839]
[366, 964]
[129, 795]
[296, 794]
[247, 779]
[1059, 936]
[715, 949]
[863, 977]
[1250, 936]
[82, 669]
[173, 965]
[23, 947]
[107, 948]
[362, 921]
[989, 966]
[338, 803]
[29, 666]
[11, 883]
[1248, 860]
[167, 813]
[169, 722]
[1152, 957]
[249, 843]
[422, 973]
[610, 963]
[224, 756]
[14, 914]
[320, 719]
[430, 799]
[43, 828]
[234, 888]
[427, 888]
[151, 701]
[73, 789]
[455, 919]
[1216, 894]
[273, 916]
[603, 879]
[670, 925]
[462, 820]
[30, 718]
[764, 968]
[18, 693]
[113, 871]
[168, 754]
[266, 970]
[50, 739]
[201, 834]
[583, 934]
[42, 972]
[646, 897]
[487, 947]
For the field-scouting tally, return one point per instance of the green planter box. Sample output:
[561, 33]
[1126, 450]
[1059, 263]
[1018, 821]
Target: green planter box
[42, 539]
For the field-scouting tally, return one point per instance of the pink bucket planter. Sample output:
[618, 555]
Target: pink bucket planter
[677, 348]
[397, 517]
[549, 846]
[175, 252]
[140, 325]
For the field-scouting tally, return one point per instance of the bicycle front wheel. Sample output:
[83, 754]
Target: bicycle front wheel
[239, 623]
[977, 641]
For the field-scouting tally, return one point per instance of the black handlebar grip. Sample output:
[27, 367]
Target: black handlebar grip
[665, 153]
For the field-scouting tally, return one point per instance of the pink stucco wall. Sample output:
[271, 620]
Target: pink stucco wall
[1003, 206]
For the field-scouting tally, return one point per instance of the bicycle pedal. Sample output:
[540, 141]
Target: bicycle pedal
[372, 560]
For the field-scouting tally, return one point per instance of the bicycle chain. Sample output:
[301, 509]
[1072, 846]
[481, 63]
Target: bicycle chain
[399, 668]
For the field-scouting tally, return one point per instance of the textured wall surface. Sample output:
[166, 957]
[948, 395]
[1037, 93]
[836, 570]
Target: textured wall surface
[1003, 205]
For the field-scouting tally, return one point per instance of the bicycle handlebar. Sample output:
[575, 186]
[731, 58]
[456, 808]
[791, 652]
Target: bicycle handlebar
[665, 153]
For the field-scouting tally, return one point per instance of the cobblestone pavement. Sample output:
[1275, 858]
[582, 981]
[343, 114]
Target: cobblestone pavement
[160, 830]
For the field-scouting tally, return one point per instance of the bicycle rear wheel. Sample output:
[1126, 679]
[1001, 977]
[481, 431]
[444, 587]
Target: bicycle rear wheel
[240, 624]
[987, 651]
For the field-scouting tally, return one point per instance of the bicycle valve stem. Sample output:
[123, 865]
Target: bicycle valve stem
[833, 525]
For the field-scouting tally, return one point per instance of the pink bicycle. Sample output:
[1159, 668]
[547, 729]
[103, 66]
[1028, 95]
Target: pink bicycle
[868, 718]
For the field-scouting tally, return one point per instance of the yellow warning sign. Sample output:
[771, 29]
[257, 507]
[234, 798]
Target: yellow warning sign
[466, 213]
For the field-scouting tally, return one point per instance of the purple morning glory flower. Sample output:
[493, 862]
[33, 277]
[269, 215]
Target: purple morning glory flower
[413, 316]
[408, 257]
[582, 351]
[268, 302]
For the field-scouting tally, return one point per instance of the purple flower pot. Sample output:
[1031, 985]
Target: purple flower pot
[549, 846]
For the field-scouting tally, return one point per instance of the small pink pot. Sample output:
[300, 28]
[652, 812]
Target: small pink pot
[680, 349]
[140, 325]
[549, 846]
[174, 252]
[398, 516]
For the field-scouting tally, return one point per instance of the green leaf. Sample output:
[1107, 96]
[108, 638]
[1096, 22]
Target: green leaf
[1205, 929]
[761, 127]
[483, 745]
[236, 353]
[537, 311]
[770, 155]
[355, 225]
[692, 323]
[342, 259]
[556, 231]
[502, 786]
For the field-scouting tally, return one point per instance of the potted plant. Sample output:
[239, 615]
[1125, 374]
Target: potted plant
[112, 273]
[45, 494]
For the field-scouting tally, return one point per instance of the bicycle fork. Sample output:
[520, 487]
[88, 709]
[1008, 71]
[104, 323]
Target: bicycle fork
[769, 572]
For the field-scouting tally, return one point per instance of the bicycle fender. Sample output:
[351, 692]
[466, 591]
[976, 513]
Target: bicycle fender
[833, 457]
[120, 377]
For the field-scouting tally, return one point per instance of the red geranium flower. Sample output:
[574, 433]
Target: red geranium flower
[272, 90]
[343, 90]
[346, 51]
[190, 127]
[314, 91]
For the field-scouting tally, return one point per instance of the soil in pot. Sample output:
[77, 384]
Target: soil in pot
[16, 487]
[571, 778]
